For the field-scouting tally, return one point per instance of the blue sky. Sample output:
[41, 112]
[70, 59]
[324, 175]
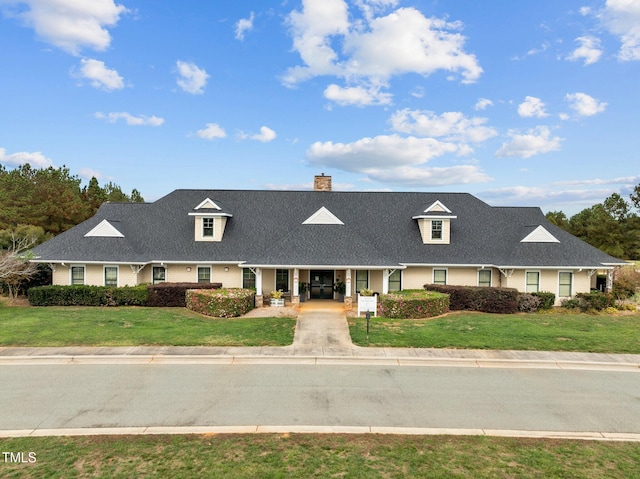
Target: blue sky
[519, 103]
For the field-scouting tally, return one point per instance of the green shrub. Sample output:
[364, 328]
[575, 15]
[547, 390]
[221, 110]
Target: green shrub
[626, 283]
[528, 303]
[221, 303]
[547, 299]
[479, 298]
[174, 294]
[130, 295]
[413, 304]
[593, 301]
[79, 295]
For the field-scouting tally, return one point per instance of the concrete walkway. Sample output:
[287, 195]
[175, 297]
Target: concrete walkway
[321, 337]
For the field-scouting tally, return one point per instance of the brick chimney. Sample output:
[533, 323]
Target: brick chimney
[321, 183]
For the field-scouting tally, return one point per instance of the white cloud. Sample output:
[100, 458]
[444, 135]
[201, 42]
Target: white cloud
[622, 18]
[589, 50]
[213, 130]
[192, 79]
[395, 160]
[482, 104]
[373, 49]
[99, 75]
[244, 25]
[358, 95]
[266, 135]
[69, 24]
[585, 105]
[452, 125]
[532, 107]
[89, 173]
[35, 159]
[129, 119]
[534, 142]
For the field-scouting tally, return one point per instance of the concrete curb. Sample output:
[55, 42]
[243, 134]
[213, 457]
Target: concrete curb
[310, 429]
[127, 359]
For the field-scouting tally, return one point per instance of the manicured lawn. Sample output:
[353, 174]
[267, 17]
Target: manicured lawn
[133, 326]
[543, 332]
[320, 456]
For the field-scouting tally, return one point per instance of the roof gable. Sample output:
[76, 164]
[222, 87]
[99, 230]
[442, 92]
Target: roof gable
[540, 235]
[438, 207]
[323, 217]
[208, 204]
[104, 229]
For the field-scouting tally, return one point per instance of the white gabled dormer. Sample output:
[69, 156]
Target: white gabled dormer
[323, 217]
[540, 235]
[104, 229]
[435, 224]
[210, 221]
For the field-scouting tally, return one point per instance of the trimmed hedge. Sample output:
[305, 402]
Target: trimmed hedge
[82, 295]
[528, 303]
[479, 298]
[547, 299]
[221, 303]
[413, 304]
[174, 294]
[593, 301]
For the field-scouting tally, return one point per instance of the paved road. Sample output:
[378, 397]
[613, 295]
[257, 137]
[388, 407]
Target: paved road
[84, 396]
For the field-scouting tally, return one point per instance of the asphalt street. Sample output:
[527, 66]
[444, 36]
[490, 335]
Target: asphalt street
[130, 395]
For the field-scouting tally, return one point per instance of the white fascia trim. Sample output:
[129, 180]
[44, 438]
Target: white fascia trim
[622, 263]
[211, 202]
[192, 262]
[436, 204]
[434, 217]
[211, 214]
[314, 266]
[564, 267]
[449, 265]
[105, 262]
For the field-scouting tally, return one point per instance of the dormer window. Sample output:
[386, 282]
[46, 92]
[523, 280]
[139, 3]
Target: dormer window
[436, 230]
[435, 224]
[207, 227]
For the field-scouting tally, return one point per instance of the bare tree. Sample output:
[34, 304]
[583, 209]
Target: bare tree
[15, 264]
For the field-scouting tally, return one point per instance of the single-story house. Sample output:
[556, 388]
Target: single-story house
[276, 240]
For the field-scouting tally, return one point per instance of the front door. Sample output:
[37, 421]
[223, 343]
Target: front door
[321, 284]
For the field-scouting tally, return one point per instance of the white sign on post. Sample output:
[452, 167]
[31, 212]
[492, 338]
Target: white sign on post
[367, 303]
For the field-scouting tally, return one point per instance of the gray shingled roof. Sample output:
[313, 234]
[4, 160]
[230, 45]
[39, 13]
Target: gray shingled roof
[266, 229]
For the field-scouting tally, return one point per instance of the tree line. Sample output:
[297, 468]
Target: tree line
[612, 226]
[43, 202]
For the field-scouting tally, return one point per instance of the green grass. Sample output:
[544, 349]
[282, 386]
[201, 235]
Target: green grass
[134, 326]
[319, 456]
[543, 332]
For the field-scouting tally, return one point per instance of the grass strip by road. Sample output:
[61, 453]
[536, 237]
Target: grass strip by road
[598, 333]
[319, 456]
[136, 326]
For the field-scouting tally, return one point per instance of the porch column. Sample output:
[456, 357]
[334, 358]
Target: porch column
[259, 298]
[385, 281]
[348, 300]
[295, 294]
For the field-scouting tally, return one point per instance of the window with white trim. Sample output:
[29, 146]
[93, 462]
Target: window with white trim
[436, 229]
[484, 277]
[207, 227]
[362, 279]
[248, 279]
[533, 281]
[204, 274]
[159, 274]
[282, 280]
[77, 275]
[439, 276]
[565, 284]
[111, 276]
[395, 281]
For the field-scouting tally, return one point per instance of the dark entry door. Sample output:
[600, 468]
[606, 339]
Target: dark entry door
[321, 284]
